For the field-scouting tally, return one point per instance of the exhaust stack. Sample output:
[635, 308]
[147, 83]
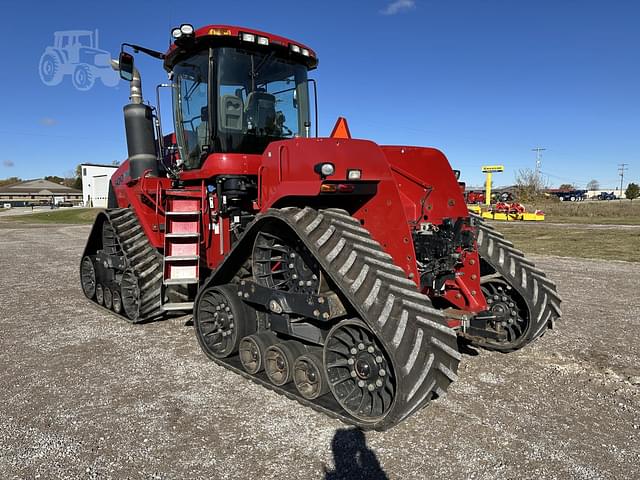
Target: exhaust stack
[139, 129]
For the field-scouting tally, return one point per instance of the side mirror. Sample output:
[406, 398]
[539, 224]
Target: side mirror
[126, 66]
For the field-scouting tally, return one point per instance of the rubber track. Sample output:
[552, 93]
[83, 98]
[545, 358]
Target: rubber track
[539, 292]
[422, 349]
[143, 258]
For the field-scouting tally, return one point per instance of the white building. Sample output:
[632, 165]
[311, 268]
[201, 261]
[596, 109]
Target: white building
[95, 184]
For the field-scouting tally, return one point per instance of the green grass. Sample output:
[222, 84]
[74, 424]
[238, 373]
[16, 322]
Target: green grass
[580, 242]
[77, 216]
[613, 212]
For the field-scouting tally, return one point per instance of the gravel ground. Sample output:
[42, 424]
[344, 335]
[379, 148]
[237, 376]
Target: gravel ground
[85, 395]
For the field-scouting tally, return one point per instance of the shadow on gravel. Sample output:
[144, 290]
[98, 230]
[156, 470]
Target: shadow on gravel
[465, 347]
[352, 458]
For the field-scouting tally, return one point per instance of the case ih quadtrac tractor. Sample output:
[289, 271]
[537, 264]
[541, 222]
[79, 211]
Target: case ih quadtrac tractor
[334, 271]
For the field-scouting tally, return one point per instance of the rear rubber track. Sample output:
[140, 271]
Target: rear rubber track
[421, 348]
[539, 292]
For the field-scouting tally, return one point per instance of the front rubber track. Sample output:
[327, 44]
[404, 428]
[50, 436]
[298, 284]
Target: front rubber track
[422, 349]
[538, 291]
[141, 257]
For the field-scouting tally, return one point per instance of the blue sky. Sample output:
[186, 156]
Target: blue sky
[482, 80]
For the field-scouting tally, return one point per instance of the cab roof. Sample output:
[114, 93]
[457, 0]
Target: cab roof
[229, 35]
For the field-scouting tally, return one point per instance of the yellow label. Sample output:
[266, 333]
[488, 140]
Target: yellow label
[492, 168]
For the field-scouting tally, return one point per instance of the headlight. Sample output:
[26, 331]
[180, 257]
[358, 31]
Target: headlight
[324, 169]
[263, 41]
[186, 29]
[304, 52]
[294, 48]
[176, 33]
[354, 174]
[327, 169]
[248, 37]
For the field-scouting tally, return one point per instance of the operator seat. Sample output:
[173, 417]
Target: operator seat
[260, 112]
[231, 113]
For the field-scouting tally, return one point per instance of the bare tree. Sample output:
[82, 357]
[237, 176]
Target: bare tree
[529, 185]
[593, 185]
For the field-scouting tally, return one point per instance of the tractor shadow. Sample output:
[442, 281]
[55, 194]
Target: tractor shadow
[352, 458]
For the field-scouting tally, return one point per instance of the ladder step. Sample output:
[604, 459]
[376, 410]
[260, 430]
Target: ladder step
[187, 306]
[185, 214]
[182, 235]
[180, 281]
[181, 258]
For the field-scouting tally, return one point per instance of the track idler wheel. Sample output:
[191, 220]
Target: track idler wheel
[280, 359]
[222, 320]
[359, 371]
[309, 375]
[88, 277]
[253, 349]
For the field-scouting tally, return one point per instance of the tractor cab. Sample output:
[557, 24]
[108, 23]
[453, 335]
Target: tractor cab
[236, 90]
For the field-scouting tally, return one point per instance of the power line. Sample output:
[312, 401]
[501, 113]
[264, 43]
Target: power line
[622, 167]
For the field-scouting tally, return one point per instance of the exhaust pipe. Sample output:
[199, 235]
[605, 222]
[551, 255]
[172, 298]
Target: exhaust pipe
[135, 85]
[139, 129]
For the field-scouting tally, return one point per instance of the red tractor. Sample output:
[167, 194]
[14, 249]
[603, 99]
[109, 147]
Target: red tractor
[334, 271]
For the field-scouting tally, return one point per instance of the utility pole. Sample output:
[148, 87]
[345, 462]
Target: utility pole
[538, 151]
[622, 167]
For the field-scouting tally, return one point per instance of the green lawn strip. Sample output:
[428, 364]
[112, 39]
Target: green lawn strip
[580, 242]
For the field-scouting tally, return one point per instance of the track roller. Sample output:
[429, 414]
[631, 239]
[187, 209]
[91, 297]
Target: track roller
[309, 375]
[99, 294]
[117, 302]
[108, 297]
[252, 351]
[280, 359]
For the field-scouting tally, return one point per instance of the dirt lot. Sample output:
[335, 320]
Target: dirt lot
[85, 395]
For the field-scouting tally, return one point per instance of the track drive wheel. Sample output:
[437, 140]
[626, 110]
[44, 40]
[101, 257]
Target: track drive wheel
[221, 320]
[359, 371]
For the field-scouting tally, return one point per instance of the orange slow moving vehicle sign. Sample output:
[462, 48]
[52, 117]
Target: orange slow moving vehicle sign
[341, 129]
